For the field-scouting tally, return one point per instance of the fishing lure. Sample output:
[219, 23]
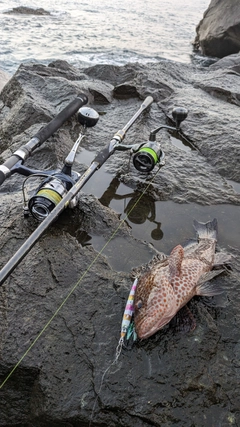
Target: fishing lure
[127, 326]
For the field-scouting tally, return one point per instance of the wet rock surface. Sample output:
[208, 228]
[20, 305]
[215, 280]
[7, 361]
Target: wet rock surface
[218, 33]
[61, 309]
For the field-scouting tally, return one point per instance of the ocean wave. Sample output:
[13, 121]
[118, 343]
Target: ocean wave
[103, 32]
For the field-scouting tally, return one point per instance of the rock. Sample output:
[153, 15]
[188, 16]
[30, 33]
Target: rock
[23, 10]
[218, 33]
[61, 308]
[230, 61]
[4, 77]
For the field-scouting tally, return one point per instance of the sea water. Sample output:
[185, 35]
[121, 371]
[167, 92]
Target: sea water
[92, 32]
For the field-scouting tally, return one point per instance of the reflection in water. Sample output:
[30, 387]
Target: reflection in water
[124, 253]
[176, 221]
[139, 209]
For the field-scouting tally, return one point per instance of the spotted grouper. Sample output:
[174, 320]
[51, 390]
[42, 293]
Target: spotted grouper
[169, 284]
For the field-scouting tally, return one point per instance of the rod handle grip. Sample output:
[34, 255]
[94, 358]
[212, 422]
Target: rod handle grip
[44, 133]
[148, 101]
[2, 177]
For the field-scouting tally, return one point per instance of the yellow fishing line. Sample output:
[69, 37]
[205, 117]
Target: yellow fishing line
[76, 284]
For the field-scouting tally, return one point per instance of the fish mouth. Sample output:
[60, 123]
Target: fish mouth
[142, 335]
[145, 331]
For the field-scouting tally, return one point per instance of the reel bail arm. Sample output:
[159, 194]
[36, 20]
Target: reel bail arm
[87, 117]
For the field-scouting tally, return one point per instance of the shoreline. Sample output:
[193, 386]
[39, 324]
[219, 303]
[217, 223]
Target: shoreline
[4, 78]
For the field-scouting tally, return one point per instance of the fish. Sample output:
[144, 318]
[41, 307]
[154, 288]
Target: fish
[170, 283]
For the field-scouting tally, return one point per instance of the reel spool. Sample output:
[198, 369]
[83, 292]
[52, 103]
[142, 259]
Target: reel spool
[148, 155]
[146, 158]
[48, 195]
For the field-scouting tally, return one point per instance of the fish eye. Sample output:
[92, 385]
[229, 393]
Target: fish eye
[139, 304]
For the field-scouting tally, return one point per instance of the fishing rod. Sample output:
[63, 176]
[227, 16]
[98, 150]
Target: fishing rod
[60, 188]
[8, 167]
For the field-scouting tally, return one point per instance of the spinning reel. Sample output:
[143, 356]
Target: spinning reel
[57, 183]
[148, 155]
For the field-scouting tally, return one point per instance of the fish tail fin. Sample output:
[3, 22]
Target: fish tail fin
[206, 230]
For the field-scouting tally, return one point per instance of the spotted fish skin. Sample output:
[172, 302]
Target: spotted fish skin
[169, 284]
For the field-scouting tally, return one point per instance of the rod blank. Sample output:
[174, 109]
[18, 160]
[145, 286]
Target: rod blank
[95, 165]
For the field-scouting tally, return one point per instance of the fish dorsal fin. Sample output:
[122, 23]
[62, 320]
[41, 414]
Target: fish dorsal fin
[175, 261]
[157, 259]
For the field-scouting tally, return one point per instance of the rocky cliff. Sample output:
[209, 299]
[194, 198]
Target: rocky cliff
[218, 33]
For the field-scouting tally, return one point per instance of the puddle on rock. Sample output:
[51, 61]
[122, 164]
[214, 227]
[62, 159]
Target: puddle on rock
[164, 224]
[181, 143]
[172, 225]
[235, 185]
[122, 253]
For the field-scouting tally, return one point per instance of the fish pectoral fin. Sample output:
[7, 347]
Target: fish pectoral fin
[183, 321]
[175, 261]
[221, 258]
[206, 288]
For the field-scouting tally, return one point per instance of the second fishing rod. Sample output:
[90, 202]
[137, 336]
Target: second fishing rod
[65, 199]
[60, 188]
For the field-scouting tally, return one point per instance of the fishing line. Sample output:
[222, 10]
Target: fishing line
[118, 352]
[74, 288]
[121, 340]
